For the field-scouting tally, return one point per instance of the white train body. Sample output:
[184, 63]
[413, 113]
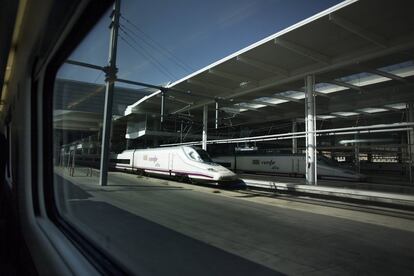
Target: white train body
[290, 164]
[181, 161]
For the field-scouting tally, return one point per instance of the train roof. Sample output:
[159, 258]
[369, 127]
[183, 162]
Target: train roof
[164, 148]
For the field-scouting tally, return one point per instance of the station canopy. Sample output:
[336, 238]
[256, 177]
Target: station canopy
[360, 52]
[80, 105]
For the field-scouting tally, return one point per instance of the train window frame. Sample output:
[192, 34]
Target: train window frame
[9, 163]
[90, 15]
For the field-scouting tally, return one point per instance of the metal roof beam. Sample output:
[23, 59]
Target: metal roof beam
[230, 76]
[343, 117]
[387, 75]
[189, 93]
[174, 99]
[280, 97]
[232, 109]
[183, 109]
[317, 93]
[345, 84]
[303, 51]
[209, 86]
[263, 66]
[349, 102]
[265, 103]
[249, 108]
[193, 93]
[393, 109]
[365, 113]
[400, 44]
[353, 28]
[262, 103]
[84, 64]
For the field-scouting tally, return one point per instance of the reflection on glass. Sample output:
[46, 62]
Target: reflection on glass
[158, 216]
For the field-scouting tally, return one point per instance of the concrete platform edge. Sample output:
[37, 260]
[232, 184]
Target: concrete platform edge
[370, 196]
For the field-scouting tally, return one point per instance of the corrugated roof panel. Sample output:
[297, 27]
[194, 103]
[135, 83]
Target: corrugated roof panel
[325, 117]
[330, 39]
[240, 68]
[363, 79]
[345, 114]
[271, 100]
[403, 69]
[276, 55]
[250, 105]
[397, 106]
[292, 94]
[327, 88]
[372, 110]
[233, 109]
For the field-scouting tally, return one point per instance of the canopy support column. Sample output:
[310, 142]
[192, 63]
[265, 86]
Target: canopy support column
[162, 107]
[205, 120]
[217, 115]
[110, 79]
[311, 172]
[410, 140]
[294, 140]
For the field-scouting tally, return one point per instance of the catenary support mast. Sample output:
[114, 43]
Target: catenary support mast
[110, 79]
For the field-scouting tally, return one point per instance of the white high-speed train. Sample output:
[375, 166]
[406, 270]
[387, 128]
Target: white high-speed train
[286, 164]
[183, 162]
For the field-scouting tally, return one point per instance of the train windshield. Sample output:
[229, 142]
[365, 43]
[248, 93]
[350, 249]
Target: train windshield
[326, 161]
[198, 155]
[204, 156]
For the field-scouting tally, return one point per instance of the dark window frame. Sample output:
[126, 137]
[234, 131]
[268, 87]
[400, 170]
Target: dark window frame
[92, 13]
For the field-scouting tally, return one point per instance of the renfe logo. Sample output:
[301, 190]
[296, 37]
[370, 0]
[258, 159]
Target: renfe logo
[258, 162]
[153, 159]
[269, 162]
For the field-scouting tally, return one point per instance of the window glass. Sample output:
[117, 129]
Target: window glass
[134, 100]
[327, 161]
[204, 157]
[193, 155]
[9, 169]
[198, 155]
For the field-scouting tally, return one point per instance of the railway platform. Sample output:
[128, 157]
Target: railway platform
[398, 195]
[259, 233]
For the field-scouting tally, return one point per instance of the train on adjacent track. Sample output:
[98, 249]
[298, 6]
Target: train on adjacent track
[285, 164]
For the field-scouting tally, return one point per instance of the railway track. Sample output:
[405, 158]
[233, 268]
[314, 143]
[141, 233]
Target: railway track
[345, 204]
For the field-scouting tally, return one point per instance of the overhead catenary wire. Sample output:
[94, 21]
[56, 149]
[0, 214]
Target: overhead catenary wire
[165, 51]
[145, 53]
[231, 141]
[323, 132]
[159, 50]
[99, 75]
